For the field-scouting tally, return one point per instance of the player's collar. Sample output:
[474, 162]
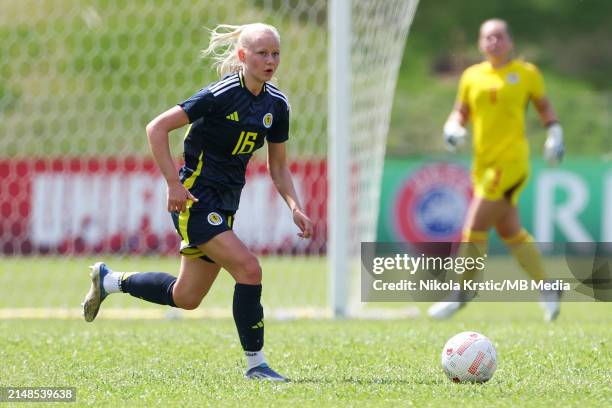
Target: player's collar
[503, 67]
[264, 88]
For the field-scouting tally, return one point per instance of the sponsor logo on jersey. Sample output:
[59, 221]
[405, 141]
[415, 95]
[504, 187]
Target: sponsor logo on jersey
[214, 219]
[233, 116]
[267, 120]
[431, 204]
[512, 78]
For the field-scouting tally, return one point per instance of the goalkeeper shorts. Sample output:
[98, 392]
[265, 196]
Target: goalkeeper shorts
[500, 181]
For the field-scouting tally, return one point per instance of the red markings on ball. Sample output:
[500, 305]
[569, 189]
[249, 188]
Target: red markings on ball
[476, 363]
[473, 338]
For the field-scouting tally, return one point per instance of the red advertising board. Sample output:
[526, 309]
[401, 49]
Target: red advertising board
[117, 205]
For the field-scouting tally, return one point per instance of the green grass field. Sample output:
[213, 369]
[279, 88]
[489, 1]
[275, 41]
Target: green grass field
[198, 362]
[69, 279]
[346, 363]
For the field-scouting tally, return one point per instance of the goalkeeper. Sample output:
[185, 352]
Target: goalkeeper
[230, 119]
[493, 95]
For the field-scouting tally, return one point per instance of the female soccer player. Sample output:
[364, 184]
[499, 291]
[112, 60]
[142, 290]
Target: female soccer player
[494, 94]
[229, 120]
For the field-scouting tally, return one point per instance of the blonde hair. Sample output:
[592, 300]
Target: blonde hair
[225, 40]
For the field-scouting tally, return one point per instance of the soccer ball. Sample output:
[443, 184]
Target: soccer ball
[469, 357]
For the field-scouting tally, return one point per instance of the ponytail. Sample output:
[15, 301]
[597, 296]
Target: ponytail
[224, 42]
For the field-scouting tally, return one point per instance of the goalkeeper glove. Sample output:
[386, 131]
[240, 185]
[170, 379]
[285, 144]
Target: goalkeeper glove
[454, 135]
[553, 147]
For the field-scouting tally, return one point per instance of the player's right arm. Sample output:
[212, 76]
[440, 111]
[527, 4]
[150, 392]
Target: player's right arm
[454, 127]
[157, 134]
[460, 113]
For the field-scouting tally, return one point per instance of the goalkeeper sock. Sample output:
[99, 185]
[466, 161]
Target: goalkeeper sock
[154, 287]
[248, 316]
[524, 249]
[474, 244]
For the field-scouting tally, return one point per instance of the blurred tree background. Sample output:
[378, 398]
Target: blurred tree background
[85, 77]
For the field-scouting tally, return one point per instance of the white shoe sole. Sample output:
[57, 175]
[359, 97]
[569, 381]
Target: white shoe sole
[93, 299]
[551, 304]
[551, 312]
[444, 310]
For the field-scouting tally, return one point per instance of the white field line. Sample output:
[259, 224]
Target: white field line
[60, 313]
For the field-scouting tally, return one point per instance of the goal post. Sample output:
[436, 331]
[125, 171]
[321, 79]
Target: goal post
[366, 45]
[339, 127]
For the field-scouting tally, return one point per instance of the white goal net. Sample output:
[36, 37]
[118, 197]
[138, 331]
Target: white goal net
[79, 80]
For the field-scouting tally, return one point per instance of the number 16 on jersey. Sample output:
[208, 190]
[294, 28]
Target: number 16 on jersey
[246, 143]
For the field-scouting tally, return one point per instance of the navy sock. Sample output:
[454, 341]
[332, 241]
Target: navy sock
[248, 315]
[155, 287]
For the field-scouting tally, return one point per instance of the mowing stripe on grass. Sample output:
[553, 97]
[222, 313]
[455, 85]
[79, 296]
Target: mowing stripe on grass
[66, 313]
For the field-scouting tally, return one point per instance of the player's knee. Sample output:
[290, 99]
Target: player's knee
[502, 231]
[507, 230]
[187, 301]
[250, 271]
[188, 304]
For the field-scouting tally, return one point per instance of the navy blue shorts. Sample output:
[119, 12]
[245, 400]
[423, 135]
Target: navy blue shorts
[196, 227]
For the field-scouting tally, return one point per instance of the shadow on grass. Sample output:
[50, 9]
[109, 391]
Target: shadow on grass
[367, 381]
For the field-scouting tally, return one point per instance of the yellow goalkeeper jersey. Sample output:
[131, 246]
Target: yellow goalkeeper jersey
[498, 100]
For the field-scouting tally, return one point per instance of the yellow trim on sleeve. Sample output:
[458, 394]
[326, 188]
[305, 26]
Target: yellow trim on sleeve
[187, 131]
[189, 182]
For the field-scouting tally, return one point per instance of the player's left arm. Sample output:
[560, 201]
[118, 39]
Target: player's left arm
[545, 110]
[279, 171]
[553, 147]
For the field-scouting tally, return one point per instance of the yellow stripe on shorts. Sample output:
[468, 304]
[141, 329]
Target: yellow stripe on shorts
[183, 221]
[184, 216]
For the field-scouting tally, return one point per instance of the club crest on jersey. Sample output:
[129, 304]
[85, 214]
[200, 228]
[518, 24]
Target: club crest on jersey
[513, 78]
[267, 120]
[214, 218]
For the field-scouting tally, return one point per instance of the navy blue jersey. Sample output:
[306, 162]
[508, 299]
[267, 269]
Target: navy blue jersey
[228, 123]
